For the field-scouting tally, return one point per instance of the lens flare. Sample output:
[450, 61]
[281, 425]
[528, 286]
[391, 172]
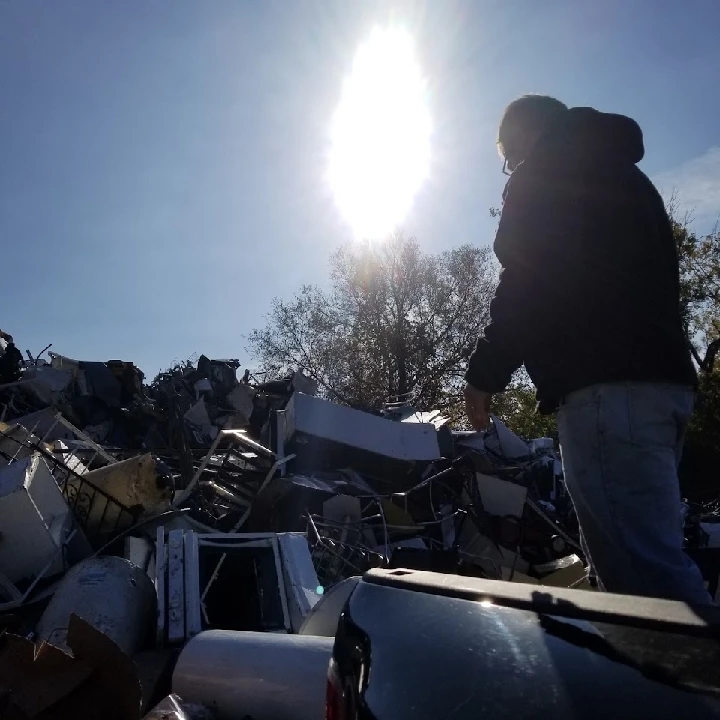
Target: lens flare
[380, 135]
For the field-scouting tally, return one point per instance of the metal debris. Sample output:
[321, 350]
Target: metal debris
[244, 502]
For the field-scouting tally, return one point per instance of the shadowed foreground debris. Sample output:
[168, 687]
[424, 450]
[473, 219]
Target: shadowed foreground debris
[207, 502]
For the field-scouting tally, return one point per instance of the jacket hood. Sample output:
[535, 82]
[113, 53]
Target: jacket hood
[587, 133]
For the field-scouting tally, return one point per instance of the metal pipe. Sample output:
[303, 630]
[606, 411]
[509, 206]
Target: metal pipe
[267, 676]
[242, 438]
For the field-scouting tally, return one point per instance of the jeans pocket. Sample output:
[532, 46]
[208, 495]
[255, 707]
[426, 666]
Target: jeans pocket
[578, 419]
[657, 414]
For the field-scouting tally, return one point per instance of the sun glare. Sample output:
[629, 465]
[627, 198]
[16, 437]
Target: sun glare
[380, 136]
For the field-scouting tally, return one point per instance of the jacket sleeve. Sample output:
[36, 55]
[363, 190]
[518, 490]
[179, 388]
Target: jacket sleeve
[523, 239]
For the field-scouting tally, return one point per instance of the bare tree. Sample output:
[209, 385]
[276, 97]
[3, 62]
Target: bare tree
[396, 323]
[699, 259]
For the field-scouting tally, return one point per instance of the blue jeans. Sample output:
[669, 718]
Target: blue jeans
[621, 446]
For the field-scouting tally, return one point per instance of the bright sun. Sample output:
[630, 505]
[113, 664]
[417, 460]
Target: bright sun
[380, 136]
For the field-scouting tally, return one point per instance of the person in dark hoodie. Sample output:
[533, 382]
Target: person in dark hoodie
[588, 301]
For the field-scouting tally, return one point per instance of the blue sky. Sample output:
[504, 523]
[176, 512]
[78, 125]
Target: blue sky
[162, 163]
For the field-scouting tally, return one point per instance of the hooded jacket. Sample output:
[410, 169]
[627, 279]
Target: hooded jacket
[589, 288]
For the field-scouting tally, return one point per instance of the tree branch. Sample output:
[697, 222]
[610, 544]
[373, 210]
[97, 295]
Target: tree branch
[695, 354]
[708, 363]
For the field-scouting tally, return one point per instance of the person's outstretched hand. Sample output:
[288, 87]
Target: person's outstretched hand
[477, 407]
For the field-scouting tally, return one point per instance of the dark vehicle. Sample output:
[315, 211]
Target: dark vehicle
[424, 645]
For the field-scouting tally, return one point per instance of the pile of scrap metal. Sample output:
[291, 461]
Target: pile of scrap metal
[206, 514]
[367, 488]
[421, 496]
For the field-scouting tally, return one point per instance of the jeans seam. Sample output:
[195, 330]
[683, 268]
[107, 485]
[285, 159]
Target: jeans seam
[603, 473]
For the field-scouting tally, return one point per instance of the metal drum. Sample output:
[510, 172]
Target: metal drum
[267, 676]
[110, 593]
